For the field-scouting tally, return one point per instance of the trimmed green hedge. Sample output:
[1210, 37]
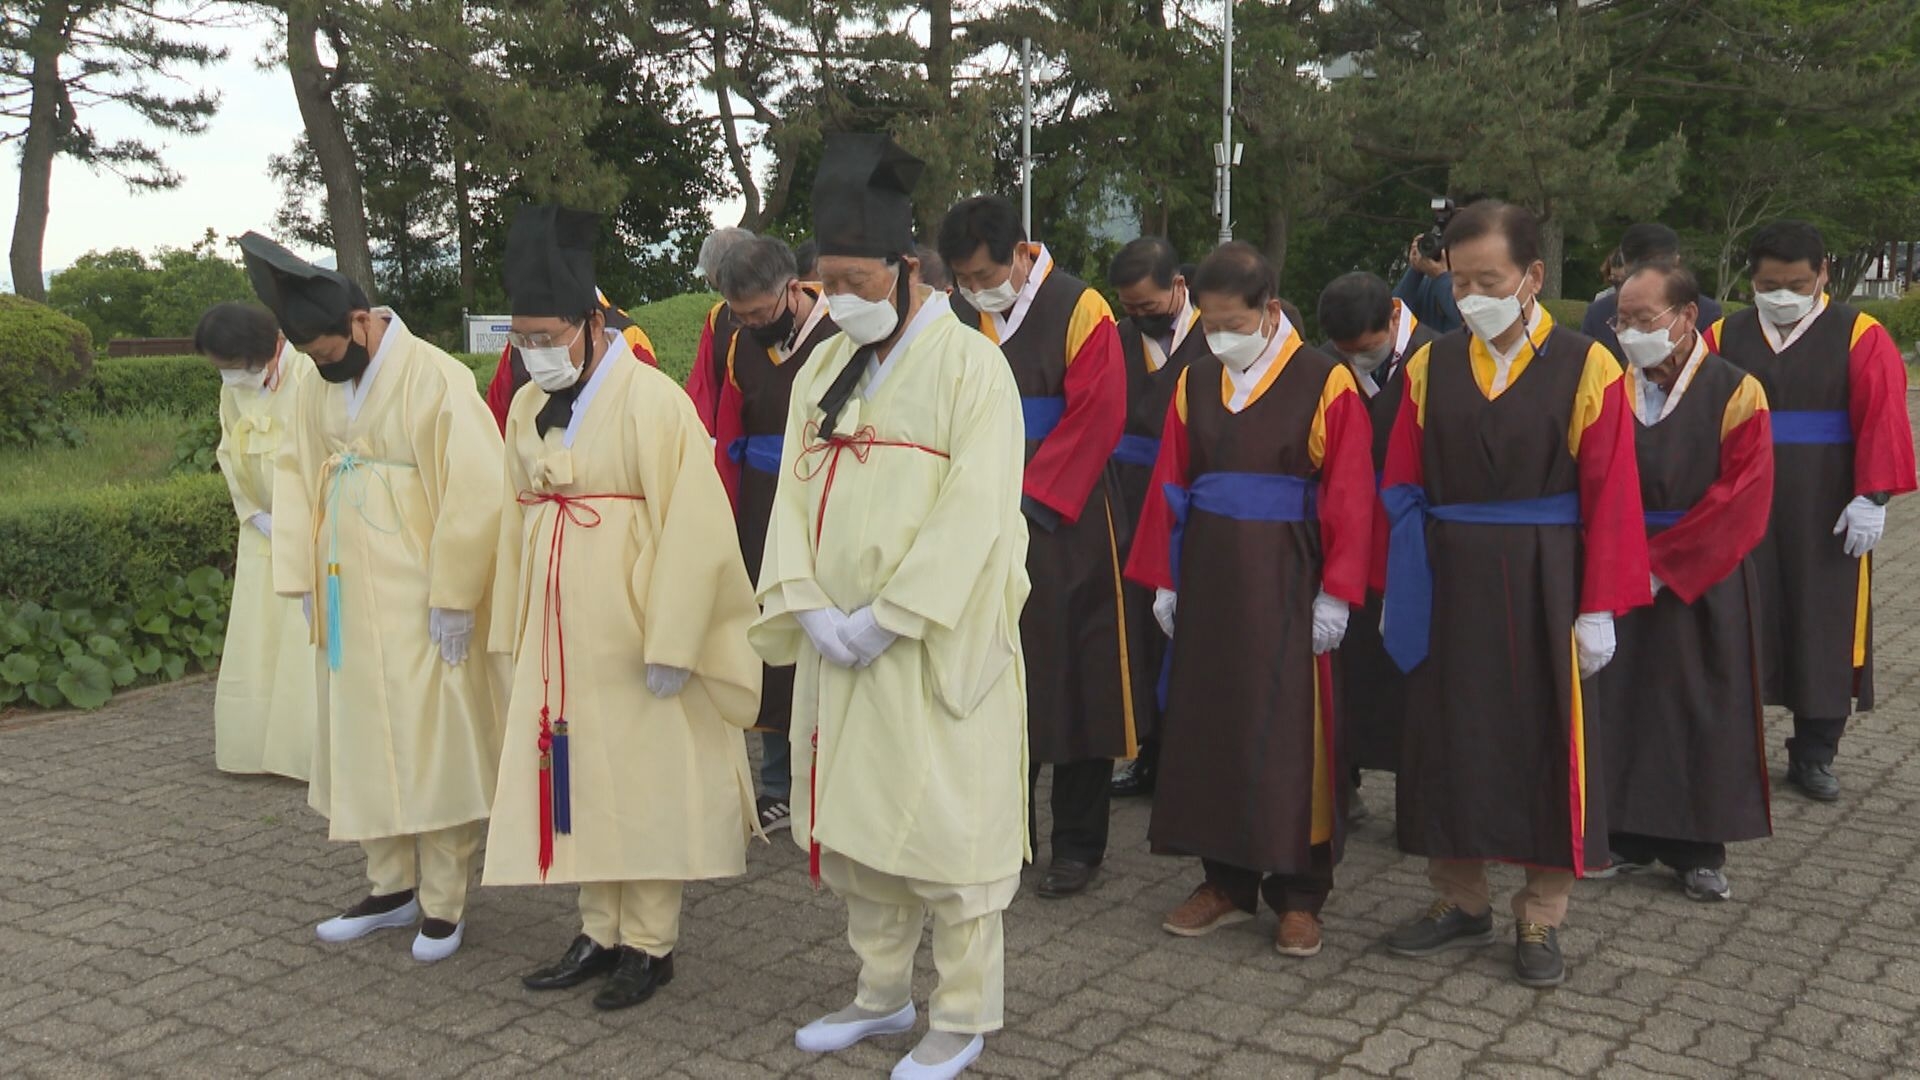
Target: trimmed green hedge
[117, 544]
[181, 385]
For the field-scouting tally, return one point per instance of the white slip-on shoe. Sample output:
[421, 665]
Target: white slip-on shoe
[351, 926]
[824, 1035]
[428, 949]
[909, 1069]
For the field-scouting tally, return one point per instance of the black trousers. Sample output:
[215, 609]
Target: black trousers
[1284, 892]
[1678, 854]
[1080, 800]
[1814, 739]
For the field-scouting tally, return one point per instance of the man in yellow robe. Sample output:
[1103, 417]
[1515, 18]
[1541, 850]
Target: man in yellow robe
[387, 499]
[893, 580]
[625, 606]
[263, 704]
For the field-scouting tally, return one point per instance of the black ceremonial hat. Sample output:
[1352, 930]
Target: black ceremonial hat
[307, 300]
[549, 263]
[862, 205]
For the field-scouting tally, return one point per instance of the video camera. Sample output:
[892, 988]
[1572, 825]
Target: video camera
[1429, 242]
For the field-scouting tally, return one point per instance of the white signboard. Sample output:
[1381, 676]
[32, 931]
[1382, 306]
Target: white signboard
[487, 333]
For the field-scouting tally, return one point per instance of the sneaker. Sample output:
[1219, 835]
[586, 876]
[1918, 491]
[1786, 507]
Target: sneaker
[1299, 934]
[1444, 926]
[775, 814]
[373, 913]
[1706, 885]
[1207, 910]
[1536, 955]
[1618, 866]
[911, 1068]
[1815, 779]
[438, 939]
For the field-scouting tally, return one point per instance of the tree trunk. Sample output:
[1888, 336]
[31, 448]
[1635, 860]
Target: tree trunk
[327, 135]
[940, 48]
[46, 121]
[1553, 249]
[1279, 231]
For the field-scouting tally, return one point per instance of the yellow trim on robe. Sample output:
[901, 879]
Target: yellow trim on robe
[1482, 361]
[1747, 400]
[1416, 376]
[637, 336]
[733, 344]
[1320, 831]
[1126, 662]
[1601, 372]
[1339, 381]
[1578, 733]
[1088, 312]
[1719, 332]
[1180, 395]
[1862, 604]
[987, 327]
[1287, 349]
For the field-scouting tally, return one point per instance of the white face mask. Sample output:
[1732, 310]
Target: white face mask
[1783, 307]
[1371, 359]
[243, 380]
[1490, 316]
[1238, 351]
[997, 299]
[1646, 348]
[864, 321]
[550, 368]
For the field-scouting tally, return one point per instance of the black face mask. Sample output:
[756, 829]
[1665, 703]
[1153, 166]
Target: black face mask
[775, 332]
[1155, 325]
[351, 365]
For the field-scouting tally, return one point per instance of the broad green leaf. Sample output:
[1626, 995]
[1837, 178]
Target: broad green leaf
[86, 683]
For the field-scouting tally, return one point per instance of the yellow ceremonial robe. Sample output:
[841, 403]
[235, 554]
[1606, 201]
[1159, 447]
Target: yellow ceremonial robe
[405, 498]
[659, 787]
[263, 705]
[921, 770]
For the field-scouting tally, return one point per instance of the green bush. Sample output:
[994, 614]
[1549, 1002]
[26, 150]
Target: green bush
[114, 544]
[1902, 319]
[1568, 313]
[673, 325]
[181, 385]
[76, 651]
[43, 354]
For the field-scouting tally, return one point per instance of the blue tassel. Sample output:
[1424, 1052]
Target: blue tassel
[562, 782]
[334, 627]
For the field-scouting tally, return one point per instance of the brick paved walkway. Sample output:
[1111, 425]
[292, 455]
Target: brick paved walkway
[156, 919]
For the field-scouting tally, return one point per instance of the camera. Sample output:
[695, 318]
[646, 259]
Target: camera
[1429, 242]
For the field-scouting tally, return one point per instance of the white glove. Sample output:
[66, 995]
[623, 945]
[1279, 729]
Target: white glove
[1164, 601]
[1654, 582]
[1329, 623]
[823, 628]
[1593, 641]
[306, 608]
[666, 681]
[864, 637]
[262, 521]
[451, 630]
[1862, 522]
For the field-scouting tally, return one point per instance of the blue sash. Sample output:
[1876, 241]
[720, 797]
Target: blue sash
[1042, 415]
[1241, 497]
[1407, 618]
[1137, 450]
[1800, 428]
[759, 452]
[1664, 519]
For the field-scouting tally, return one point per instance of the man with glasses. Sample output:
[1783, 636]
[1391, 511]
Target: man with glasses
[511, 374]
[778, 321]
[1679, 709]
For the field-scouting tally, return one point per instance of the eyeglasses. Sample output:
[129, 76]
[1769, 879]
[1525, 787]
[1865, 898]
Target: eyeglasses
[542, 340]
[1617, 324]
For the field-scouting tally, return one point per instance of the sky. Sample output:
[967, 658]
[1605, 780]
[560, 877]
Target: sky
[226, 185]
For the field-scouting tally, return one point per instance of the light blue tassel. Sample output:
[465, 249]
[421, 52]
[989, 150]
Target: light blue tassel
[334, 626]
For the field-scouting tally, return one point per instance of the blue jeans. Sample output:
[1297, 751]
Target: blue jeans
[776, 765]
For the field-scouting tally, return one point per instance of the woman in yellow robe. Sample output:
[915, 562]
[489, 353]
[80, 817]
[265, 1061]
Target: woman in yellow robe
[263, 705]
[623, 600]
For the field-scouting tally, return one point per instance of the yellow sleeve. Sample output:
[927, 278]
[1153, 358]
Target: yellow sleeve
[296, 483]
[1748, 398]
[1862, 323]
[786, 581]
[636, 336]
[1339, 381]
[458, 451]
[1416, 376]
[1590, 397]
[1087, 316]
[244, 504]
[509, 605]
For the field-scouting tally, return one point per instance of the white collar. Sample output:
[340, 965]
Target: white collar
[1244, 383]
[1660, 404]
[818, 313]
[1772, 332]
[357, 389]
[615, 342]
[1403, 331]
[1009, 324]
[279, 375]
[1184, 321]
[931, 308]
[1503, 359]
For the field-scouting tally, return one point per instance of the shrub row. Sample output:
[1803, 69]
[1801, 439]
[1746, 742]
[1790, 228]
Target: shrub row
[114, 545]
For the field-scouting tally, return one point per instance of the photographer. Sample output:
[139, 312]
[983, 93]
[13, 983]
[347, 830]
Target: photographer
[1427, 288]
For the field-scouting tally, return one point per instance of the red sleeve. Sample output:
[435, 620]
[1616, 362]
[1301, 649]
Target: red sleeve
[702, 385]
[1347, 499]
[1728, 522]
[1151, 562]
[1071, 459]
[1405, 465]
[1882, 437]
[500, 390]
[1614, 523]
[643, 353]
[727, 426]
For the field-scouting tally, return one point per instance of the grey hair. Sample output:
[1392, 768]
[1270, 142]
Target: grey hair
[713, 250]
[755, 268]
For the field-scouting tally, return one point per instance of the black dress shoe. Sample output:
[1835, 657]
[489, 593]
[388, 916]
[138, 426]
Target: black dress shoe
[635, 980]
[1131, 779]
[1814, 779]
[583, 960]
[1067, 877]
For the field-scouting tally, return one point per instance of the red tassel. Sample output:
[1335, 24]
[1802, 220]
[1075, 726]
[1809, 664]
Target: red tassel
[813, 812]
[546, 795]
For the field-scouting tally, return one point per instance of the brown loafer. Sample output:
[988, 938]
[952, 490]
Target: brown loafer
[1207, 910]
[1299, 934]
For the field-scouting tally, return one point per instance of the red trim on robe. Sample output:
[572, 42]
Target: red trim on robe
[726, 427]
[1729, 520]
[703, 384]
[1406, 464]
[1072, 458]
[1614, 526]
[1151, 561]
[1877, 405]
[1347, 500]
[500, 390]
